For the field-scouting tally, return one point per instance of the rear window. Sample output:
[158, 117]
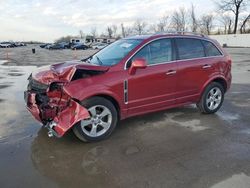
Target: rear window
[189, 48]
[211, 49]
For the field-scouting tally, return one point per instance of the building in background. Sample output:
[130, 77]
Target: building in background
[90, 39]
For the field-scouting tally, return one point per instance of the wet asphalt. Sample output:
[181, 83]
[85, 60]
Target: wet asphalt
[174, 148]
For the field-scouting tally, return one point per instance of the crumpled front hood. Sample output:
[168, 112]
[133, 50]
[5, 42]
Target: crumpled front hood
[63, 72]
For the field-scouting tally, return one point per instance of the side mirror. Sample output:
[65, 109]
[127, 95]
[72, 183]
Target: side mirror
[139, 63]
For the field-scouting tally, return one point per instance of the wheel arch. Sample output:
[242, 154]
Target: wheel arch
[219, 79]
[111, 99]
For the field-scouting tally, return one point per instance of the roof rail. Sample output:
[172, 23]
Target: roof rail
[181, 33]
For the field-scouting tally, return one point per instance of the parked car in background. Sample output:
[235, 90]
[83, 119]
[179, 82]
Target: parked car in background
[130, 77]
[48, 46]
[65, 45]
[11, 44]
[79, 47]
[77, 41]
[7, 45]
[56, 46]
[19, 44]
[44, 45]
[99, 46]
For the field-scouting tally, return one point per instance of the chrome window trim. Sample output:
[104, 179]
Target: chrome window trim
[199, 58]
[175, 61]
[173, 37]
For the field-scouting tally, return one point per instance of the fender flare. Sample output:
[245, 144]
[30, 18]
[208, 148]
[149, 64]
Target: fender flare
[215, 77]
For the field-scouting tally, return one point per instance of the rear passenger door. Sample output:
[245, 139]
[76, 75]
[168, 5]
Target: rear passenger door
[194, 69]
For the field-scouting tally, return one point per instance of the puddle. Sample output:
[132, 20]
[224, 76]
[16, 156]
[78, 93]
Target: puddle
[12, 84]
[91, 160]
[131, 150]
[246, 131]
[177, 119]
[245, 103]
[237, 180]
[3, 62]
[193, 124]
[227, 116]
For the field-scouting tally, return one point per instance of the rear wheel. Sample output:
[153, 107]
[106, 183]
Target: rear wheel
[102, 121]
[212, 98]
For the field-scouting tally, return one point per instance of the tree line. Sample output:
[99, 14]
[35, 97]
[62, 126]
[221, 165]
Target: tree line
[228, 20]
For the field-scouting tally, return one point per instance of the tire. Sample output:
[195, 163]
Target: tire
[98, 127]
[212, 98]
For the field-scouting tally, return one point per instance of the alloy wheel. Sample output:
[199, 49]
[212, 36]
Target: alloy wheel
[99, 122]
[214, 98]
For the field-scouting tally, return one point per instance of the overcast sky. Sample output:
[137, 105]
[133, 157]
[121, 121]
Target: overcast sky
[46, 20]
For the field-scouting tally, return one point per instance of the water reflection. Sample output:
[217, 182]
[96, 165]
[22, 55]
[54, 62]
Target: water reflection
[70, 162]
[15, 116]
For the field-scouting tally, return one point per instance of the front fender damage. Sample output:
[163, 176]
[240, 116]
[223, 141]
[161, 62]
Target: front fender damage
[66, 119]
[48, 101]
[57, 111]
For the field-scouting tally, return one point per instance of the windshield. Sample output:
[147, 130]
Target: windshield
[114, 53]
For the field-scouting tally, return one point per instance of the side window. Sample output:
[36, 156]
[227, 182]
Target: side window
[156, 52]
[211, 49]
[189, 48]
[143, 53]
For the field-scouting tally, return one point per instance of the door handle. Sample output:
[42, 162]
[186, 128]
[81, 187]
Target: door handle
[206, 66]
[171, 72]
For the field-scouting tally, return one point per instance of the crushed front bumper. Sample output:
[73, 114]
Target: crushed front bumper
[60, 121]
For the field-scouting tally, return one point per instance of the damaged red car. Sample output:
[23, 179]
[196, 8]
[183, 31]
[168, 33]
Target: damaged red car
[130, 77]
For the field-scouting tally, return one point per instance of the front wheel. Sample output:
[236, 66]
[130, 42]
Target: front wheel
[212, 98]
[102, 121]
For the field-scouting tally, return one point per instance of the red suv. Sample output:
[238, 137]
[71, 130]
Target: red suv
[130, 77]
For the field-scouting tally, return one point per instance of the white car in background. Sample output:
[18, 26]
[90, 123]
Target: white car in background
[99, 46]
[5, 45]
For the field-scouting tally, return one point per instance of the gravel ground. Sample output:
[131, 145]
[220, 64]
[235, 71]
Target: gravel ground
[24, 56]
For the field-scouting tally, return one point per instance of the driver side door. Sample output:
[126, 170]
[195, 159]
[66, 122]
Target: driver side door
[153, 88]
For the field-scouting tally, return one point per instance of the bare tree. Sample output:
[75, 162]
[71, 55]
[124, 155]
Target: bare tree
[109, 31]
[207, 23]
[179, 19]
[235, 6]
[160, 26]
[64, 39]
[126, 31]
[227, 22]
[93, 32]
[114, 28]
[123, 30]
[153, 28]
[129, 31]
[248, 26]
[81, 34]
[140, 26]
[194, 21]
[243, 25]
[163, 23]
